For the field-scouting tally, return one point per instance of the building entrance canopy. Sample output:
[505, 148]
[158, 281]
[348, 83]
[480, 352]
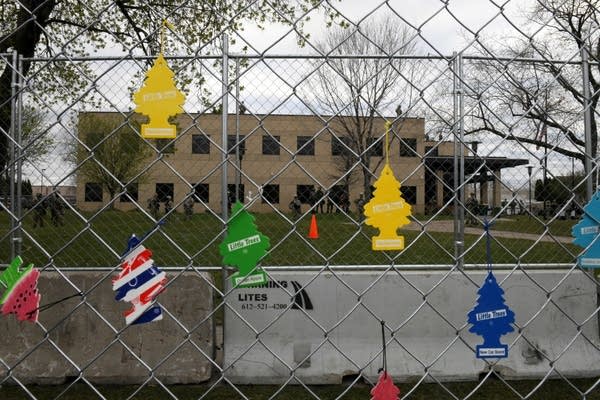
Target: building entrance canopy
[486, 169]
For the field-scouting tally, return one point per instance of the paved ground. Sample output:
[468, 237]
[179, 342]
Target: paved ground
[448, 226]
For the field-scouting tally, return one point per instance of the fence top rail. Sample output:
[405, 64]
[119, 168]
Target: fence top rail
[341, 268]
[448, 58]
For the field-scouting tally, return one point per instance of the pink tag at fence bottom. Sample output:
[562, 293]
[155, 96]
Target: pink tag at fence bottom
[385, 388]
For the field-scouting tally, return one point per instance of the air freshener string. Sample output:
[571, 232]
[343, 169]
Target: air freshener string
[387, 142]
[488, 243]
[384, 350]
[44, 307]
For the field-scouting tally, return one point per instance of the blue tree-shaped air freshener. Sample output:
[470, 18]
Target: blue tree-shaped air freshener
[586, 232]
[491, 318]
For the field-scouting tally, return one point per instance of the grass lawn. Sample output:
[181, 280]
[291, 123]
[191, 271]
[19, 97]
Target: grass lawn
[98, 241]
[491, 389]
[527, 224]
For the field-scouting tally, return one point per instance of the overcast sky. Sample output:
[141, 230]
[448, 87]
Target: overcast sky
[441, 28]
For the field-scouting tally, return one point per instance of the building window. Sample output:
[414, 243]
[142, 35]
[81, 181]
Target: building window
[339, 146]
[408, 147]
[166, 146]
[131, 193]
[377, 149]
[270, 194]
[305, 146]
[270, 145]
[431, 151]
[201, 192]
[231, 144]
[305, 193]
[93, 192]
[231, 197]
[409, 193]
[164, 190]
[200, 144]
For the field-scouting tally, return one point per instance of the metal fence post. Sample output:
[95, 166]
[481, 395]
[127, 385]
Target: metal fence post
[224, 107]
[224, 160]
[238, 159]
[459, 160]
[12, 158]
[19, 156]
[589, 183]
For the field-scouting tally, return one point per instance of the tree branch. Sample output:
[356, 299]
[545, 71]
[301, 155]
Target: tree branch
[86, 27]
[140, 33]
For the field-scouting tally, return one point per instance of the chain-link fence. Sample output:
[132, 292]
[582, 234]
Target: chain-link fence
[500, 132]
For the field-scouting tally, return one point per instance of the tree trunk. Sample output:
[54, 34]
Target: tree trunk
[25, 39]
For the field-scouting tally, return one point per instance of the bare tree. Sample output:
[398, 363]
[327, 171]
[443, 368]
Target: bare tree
[360, 81]
[541, 103]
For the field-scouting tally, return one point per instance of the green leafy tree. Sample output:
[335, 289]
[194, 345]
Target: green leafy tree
[560, 189]
[48, 28]
[111, 151]
[36, 142]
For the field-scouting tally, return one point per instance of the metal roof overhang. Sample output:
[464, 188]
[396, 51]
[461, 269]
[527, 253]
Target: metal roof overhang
[472, 164]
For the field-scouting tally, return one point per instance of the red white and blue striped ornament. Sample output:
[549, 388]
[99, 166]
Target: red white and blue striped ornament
[139, 282]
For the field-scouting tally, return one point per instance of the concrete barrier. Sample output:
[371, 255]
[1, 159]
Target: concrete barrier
[83, 341]
[428, 312]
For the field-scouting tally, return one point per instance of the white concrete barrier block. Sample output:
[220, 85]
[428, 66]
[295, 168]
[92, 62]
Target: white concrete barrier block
[333, 328]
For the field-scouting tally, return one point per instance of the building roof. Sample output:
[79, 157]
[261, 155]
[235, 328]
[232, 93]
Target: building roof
[473, 163]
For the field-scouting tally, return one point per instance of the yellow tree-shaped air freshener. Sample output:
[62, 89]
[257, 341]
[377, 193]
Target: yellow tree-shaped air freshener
[159, 98]
[387, 210]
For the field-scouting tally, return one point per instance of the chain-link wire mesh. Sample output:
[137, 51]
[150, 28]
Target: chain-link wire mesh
[494, 123]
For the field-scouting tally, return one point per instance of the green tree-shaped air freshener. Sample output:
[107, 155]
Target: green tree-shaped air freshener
[243, 246]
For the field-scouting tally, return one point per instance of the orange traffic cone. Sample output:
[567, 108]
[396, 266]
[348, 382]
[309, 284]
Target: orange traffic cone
[313, 232]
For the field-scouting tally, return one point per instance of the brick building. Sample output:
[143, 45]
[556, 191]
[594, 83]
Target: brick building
[281, 156]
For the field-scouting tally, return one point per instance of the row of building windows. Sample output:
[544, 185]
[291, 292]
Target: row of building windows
[307, 194]
[305, 146]
[93, 192]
